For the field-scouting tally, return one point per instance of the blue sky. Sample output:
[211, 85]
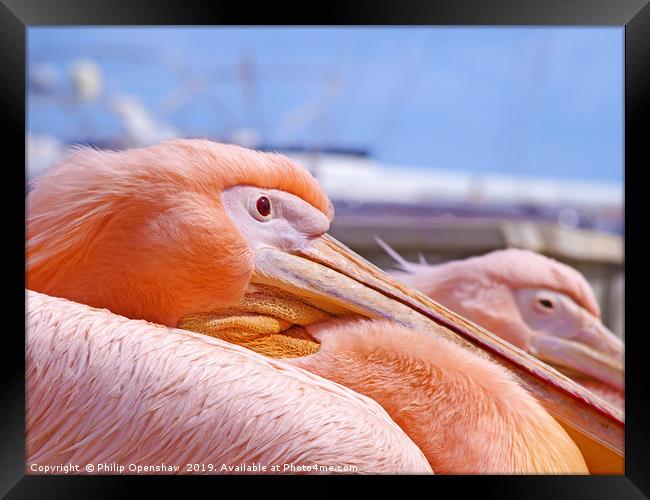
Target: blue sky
[532, 101]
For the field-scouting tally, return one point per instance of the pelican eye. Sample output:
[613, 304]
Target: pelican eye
[263, 206]
[546, 303]
[263, 209]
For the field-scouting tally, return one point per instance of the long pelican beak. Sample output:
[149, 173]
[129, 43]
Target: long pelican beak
[594, 352]
[331, 277]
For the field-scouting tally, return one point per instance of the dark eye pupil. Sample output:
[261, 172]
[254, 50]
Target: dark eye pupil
[546, 303]
[263, 206]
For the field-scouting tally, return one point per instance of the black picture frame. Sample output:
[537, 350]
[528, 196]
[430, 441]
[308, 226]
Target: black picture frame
[17, 15]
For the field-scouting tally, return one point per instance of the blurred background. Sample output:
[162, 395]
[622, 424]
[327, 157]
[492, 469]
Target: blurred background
[446, 141]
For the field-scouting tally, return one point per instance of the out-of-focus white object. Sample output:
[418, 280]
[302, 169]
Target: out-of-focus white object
[42, 152]
[364, 180]
[87, 79]
[141, 126]
[568, 217]
[43, 78]
[246, 137]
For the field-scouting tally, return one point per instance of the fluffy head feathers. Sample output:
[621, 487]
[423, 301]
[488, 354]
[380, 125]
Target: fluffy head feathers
[143, 232]
[480, 288]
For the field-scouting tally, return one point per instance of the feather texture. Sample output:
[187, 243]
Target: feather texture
[103, 388]
[467, 414]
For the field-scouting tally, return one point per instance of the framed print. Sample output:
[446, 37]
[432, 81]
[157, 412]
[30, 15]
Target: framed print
[389, 244]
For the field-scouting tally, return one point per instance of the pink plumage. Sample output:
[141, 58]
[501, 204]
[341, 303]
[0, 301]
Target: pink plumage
[170, 230]
[467, 415]
[106, 389]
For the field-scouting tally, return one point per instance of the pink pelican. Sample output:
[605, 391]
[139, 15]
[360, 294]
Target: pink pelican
[186, 306]
[534, 302]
